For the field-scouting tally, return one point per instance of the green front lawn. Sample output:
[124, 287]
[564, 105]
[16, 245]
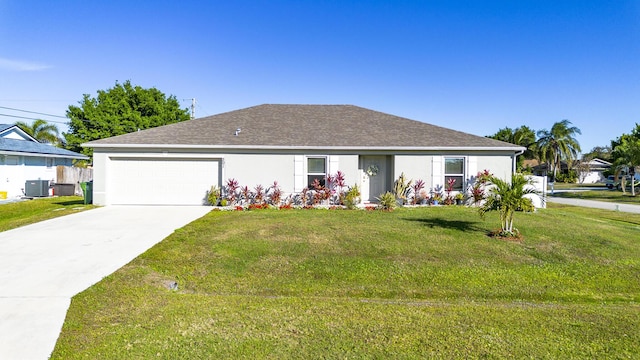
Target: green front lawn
[13, 215]
[413, 283]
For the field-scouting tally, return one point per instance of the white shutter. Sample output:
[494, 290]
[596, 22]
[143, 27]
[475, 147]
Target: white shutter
[436, 171]
[333, 165]
[472, 168]
[298, 173]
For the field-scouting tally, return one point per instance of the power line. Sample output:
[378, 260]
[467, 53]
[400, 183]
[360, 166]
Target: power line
[30, 118]
[201, 108]
[32, 112]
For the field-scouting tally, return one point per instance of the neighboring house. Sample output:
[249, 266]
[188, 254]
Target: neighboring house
[23, 158]
[290, 144]
[589, 172]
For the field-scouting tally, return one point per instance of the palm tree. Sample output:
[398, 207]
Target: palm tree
[558, 144]
[507, 198]
[627, 155]
[41, 131]
[523, 136]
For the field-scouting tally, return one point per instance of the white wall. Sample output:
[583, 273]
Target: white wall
[591, 177]
[414, 167]
[15, 170]
[100, 171]
[499, 166]
[259, 169]
[539, 184]
[348, 164]
[422, 167]
[253, 169]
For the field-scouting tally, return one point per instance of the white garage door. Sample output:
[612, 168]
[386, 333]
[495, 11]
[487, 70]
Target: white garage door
[161, 181]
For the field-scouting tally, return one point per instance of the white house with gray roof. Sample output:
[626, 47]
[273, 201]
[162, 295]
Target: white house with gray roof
[23, 158]
[290, 144]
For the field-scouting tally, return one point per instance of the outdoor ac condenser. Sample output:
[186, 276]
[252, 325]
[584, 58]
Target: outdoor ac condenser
[36, 188]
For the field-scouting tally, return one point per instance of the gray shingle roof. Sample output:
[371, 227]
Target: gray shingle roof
[304, 126]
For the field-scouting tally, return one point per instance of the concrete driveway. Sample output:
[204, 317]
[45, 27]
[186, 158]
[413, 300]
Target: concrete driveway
[43, 265]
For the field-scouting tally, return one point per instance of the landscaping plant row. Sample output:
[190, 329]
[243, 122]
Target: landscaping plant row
[334, 193]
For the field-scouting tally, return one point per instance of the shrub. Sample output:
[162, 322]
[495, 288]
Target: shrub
[387, 201]
[418, 186]
[231, 188]
[258, 195]
[402, 188]
[352, 197]
[569, 178]
[274, 193]
[213, 195]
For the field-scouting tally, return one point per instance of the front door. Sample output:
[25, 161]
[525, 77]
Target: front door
[375, 173]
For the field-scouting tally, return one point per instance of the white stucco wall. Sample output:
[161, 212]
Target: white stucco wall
[259, 169]
[414, 167]
[100, 170]
[499, 166]
[15, 170]
[348, 164]
[430, 168]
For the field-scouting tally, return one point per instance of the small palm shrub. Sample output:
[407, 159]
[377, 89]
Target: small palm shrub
[507, 198]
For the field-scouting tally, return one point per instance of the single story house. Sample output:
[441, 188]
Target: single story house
[23, 158]
[592, 171]
[290, 144]
[589, 172]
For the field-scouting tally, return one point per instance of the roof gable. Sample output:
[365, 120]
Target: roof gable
[304, 126]
[599, 162]
[8, 131]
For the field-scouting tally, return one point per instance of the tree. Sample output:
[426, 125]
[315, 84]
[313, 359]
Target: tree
[627, 156]
[558, 144]
[120, 110]
[507, 198]
[600, 152]
[42, 131]
[523, 136]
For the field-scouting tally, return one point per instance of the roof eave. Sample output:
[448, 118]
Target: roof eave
[279, 147]
[27, 153]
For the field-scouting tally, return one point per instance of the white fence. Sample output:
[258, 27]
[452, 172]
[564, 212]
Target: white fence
[539, 183]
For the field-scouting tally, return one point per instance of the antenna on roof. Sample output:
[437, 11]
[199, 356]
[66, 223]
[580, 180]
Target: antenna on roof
[193, 107]
[238, 131]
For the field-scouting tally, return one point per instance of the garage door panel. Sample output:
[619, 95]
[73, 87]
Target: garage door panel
[162, 181]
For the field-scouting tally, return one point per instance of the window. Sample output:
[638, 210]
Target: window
[316, 169]
[49, 162]
[454, 169]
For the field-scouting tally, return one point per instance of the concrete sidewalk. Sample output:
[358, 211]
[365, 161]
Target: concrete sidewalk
[630, 208]
[43, 265]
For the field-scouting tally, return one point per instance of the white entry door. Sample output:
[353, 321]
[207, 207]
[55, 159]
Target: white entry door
[135, 181]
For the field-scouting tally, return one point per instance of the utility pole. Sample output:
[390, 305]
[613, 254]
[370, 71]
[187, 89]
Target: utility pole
[193, 107]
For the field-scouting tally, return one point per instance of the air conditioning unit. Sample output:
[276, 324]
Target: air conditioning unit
[36, 188]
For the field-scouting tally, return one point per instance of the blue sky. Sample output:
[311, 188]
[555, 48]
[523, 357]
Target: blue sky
[474, 66]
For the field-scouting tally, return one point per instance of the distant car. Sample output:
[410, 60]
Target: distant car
[612, 183]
